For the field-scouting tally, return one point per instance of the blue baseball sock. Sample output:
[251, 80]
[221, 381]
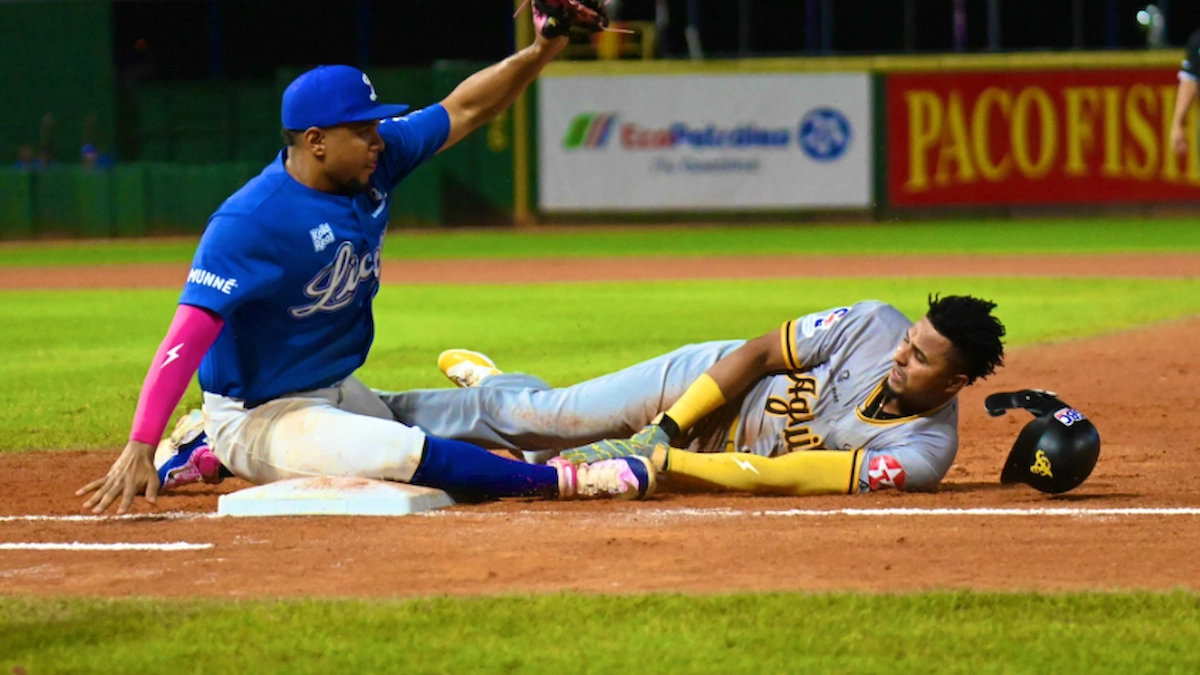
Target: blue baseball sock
[469, 473]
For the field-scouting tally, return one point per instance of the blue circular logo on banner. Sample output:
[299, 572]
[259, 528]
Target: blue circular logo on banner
[824, 134]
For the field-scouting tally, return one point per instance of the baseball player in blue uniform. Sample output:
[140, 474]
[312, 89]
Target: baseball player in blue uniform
[276, 312]
[851, 399]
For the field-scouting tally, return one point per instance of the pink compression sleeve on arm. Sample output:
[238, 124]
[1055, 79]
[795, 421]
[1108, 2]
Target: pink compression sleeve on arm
[191, 334]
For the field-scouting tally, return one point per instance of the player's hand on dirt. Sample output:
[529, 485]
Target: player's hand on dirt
[132, 474]
[1178, 139]
[642, 443]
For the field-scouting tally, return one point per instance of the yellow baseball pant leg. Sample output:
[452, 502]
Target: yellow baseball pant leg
[815, 472]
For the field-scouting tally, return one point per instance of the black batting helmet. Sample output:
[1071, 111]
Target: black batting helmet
[1056, 451]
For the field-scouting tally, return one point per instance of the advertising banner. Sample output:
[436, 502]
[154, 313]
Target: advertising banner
[705, 142]
[1036, 137]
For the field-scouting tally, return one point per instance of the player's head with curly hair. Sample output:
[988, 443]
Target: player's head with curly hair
[975, 335]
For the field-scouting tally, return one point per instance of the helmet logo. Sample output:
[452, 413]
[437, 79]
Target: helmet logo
[1069, 416]
[1041, 465]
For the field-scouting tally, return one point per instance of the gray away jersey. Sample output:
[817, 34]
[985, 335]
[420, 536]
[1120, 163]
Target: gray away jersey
[839, 359]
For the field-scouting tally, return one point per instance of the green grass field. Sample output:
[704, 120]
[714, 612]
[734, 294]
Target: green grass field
[766, 633]
[1109, 235]
[73, 361]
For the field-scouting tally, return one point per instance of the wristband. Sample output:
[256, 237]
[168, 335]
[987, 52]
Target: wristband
[669, 426]
[702, 397]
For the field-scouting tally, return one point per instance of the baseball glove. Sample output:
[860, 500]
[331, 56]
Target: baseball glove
[555, 18]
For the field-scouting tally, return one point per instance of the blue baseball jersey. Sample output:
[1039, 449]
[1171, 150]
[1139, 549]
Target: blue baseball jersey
[293, 271]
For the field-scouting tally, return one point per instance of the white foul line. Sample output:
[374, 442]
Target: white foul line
[79, 546]
[872, 513]
[1133, 511]
[166, 515]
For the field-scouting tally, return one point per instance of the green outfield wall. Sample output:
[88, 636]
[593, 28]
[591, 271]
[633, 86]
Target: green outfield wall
[186, 147]
[57, 75]
[133, 199]
[943, 135]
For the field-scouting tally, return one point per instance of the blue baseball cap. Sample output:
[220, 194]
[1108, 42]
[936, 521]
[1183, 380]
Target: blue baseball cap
[329, 95]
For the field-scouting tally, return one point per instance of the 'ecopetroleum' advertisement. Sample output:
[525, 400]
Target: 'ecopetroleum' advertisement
[1036, 137]
[705, 142]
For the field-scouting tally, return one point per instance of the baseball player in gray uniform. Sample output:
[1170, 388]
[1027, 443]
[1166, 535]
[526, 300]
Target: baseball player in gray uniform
[851, 399]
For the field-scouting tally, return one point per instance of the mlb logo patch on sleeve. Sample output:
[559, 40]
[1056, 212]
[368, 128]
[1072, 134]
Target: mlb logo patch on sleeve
[885, 472]
[814, 323]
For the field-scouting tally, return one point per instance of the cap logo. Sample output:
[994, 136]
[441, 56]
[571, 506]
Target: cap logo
[367, 81]
[1041, 465]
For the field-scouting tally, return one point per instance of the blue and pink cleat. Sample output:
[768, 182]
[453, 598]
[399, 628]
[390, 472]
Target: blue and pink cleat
[622, 478]
[185, 457]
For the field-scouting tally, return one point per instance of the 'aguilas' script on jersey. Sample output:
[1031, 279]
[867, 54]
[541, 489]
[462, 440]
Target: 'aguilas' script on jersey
[334, 286]
[802, 398]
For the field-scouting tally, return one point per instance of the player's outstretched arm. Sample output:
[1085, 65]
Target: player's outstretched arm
[482, 96]
[726, 379]
[192, 332]
[813, 472]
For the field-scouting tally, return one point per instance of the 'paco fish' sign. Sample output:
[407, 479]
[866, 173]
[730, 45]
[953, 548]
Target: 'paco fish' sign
[1037, 137]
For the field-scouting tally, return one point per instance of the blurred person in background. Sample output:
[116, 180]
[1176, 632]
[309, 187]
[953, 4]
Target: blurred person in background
[89, 156]
[46, 142]
[1185, 95]
[92, 158]
[26, 160]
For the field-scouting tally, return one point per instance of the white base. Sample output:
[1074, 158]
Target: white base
[332, 497]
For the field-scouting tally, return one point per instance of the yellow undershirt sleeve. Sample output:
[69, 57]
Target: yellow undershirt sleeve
[701, 397]
[813, 472]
